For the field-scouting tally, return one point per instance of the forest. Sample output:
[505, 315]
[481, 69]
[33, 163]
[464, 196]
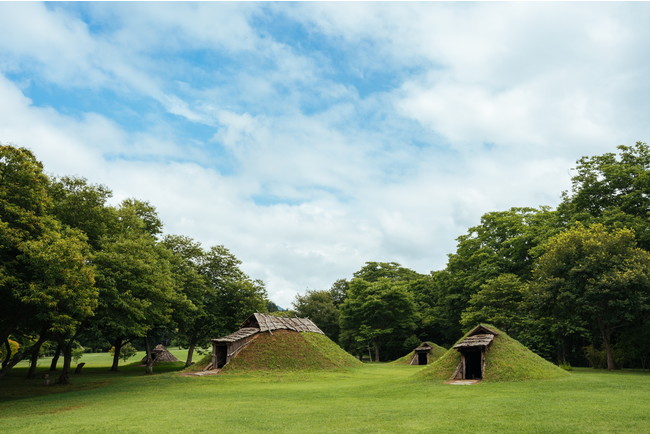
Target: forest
[571, 283]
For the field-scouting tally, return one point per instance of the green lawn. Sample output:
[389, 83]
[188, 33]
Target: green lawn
[371, 398]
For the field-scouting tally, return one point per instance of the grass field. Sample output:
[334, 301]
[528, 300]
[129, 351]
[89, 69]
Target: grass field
[370, 398]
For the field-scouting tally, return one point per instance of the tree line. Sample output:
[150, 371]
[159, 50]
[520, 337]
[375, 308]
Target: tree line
[571, 283]
[75, 269]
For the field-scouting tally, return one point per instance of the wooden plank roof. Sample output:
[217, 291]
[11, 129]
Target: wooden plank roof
[480, 340]
[239, 334]
[259, 322]
[270, 323]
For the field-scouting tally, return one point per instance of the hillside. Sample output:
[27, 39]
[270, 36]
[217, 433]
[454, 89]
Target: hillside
[507, 360]
[285, 350]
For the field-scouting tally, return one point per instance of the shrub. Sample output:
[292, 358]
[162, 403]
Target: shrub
[126, 352]
[13, 345]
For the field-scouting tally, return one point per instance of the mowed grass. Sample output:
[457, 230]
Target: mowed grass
[369, 398]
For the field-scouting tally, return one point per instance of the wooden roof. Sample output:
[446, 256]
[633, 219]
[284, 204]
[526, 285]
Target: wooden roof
[482, 340]
[480, 336]
[267, 323]
[259, 322]
[239, 334]
[424, 346]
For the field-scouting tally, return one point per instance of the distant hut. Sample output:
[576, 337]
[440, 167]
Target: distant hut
[422, 354]
[227, 347]
[425, 353]
[160, 354]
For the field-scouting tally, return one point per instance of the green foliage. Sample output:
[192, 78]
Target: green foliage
[374, 271]
[381, 314]
[498, 302]
[593, 275]
[613, 189]
[126, 352]
[321, 308]
[13, 348]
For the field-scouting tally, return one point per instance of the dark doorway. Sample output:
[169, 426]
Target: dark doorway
[422, 358]
[222, 356]
[473, 363]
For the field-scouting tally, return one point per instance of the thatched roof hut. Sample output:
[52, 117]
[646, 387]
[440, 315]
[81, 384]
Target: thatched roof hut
[160, 354]
[227, 347]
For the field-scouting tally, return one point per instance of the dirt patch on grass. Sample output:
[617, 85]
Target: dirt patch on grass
[62, 409]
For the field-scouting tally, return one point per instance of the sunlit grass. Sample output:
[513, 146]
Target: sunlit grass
[370, 398]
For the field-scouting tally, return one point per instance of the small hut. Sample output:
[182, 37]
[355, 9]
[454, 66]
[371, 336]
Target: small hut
[487, 353]
[160, 354]
[473, 350]
[422, 354]
[227, 347]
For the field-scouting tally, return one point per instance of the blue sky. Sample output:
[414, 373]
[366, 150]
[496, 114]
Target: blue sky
[309, 138]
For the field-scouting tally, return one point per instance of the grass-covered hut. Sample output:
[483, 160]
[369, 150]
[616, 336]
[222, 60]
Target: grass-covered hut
[487, 353]
[266, 342]
[424, 354]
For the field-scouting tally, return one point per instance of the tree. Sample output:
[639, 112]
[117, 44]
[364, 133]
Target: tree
[24, 204]
[134, 276]
[380, 314]
[597, 275]
[613, 190]
[502, 244]
[373, 271]
[46, 282]
[193, 319]
[62, 292]
[498, 302]
[321, 308]
[81, 205]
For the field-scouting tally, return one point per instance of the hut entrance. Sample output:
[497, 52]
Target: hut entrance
[222, 356]
[473, 362]
[422, 358]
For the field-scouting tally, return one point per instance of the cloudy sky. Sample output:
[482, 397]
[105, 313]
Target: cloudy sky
[309, 138]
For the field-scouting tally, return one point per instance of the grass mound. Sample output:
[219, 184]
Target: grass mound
[436, 352]
[506, 360]
[285, 350]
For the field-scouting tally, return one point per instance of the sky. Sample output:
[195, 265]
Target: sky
[309, 138]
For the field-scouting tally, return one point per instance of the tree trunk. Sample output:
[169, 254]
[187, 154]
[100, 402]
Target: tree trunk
[117, 347]
[606, 334]
[19, 356]
[190, 352]
[149, 359]
[31, 373]
[8, 350]
[64, 378]
[376, 350]
[55, 359]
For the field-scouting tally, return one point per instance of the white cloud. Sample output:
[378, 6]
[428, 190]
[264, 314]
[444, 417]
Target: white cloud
[487, 107]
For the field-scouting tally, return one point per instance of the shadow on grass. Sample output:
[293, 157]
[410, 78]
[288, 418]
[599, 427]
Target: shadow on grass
[16, 386]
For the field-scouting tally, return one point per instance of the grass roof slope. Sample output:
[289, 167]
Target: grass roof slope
[289, 351]
[436, 352]
[506, 360]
